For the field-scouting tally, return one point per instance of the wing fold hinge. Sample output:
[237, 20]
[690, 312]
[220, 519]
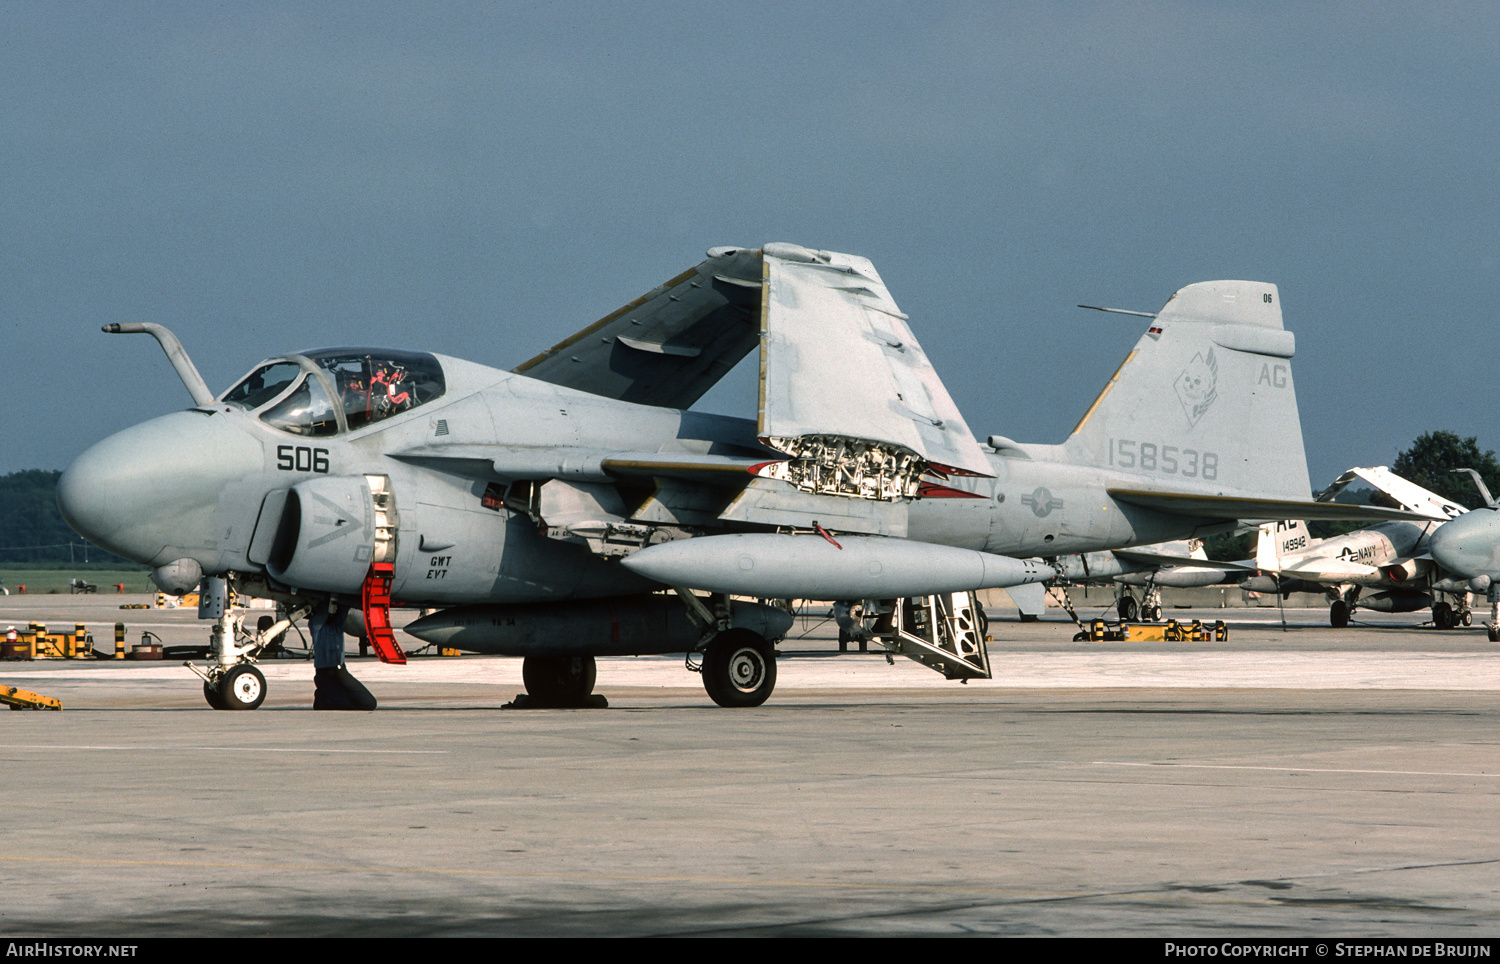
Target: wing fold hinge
[849, 467]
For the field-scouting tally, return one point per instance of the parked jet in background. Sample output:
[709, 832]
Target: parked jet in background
[1147, 568]
[1469, 549]
[546, 512]
[1389, 557]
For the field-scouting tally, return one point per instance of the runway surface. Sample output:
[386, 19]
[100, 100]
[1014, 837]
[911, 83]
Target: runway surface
[1313, 782]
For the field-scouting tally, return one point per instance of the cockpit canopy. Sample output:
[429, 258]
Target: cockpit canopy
[332, 390]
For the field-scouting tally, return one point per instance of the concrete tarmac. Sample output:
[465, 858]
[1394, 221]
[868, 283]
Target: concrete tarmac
[1313, 782]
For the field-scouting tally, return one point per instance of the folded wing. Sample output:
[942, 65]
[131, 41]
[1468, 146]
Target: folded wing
[672, 344]
[838, 362]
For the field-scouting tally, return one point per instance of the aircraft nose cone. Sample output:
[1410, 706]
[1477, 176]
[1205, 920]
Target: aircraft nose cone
[155, 486]
[1469, 545]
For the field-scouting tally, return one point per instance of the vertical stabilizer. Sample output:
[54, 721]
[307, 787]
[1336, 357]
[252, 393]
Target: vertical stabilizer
[1205, 399]
[1278, 540]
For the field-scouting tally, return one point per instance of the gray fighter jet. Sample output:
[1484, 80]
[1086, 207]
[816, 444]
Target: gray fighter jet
[1385, 567]
[574, 507]
[1390, 558]
[1180, 564]
[1469, 549]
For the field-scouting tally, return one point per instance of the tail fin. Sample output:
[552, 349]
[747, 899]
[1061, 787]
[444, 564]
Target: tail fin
[1278, 539]
[1205, 400]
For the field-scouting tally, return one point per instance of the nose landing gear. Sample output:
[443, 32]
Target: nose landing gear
[241, 688]
[231, 681]
[1341, 605]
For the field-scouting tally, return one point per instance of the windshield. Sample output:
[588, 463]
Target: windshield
[264, 384]
[376, 383]
[306, 411]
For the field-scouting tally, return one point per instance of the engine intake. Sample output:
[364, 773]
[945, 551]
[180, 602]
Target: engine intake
[331, 529]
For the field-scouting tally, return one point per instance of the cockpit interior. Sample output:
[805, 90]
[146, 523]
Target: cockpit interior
[333, 390]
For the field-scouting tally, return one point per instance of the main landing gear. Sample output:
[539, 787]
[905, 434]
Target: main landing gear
[1447, 616]
[739, 665]
[739, 668]
[560, 681]
[1444, 616]
[1148, 610]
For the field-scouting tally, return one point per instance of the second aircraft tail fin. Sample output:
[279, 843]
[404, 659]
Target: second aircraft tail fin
[1277, 540]
[1205, 399]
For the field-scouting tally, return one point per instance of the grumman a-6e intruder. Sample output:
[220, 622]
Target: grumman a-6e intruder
[574, 508]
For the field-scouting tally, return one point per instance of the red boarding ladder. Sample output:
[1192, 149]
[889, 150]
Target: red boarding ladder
[376, 602]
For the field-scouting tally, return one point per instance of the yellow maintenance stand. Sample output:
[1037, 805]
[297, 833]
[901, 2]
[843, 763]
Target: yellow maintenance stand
[1100, 631]
[19, 699]
[37, 642]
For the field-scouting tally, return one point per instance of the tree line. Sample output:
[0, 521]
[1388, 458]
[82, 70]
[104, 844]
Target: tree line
[33, 531]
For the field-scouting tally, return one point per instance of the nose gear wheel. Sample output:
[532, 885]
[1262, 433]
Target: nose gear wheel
[241, 688]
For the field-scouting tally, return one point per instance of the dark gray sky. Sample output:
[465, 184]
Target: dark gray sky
[483, 179]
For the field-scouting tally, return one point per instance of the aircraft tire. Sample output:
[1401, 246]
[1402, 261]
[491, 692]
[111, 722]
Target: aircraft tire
[1127, 609]
[1155, 614]
[1442, 616]
[214, 697]
[1338, 614]
[739, 668]
[1468, 618]
[559, 680]
[242, 688]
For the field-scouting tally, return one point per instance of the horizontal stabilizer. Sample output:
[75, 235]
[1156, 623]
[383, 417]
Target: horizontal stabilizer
[1233, 507]
[1392, 488]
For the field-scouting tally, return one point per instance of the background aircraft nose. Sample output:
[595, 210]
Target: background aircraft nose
[157, 484]
[1469, 545]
